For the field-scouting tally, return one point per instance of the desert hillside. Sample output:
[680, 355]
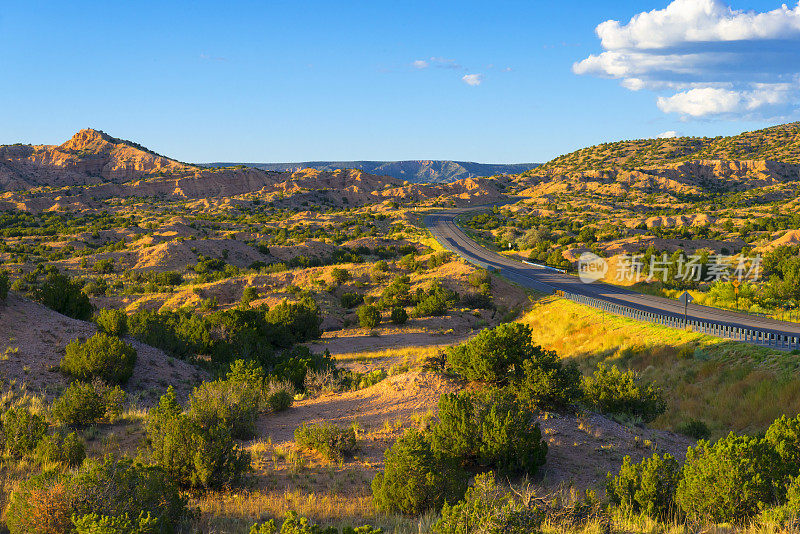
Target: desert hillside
[778, 143]
[92, 167]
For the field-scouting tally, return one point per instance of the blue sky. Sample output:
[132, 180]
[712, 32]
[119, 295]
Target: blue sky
[480, 81]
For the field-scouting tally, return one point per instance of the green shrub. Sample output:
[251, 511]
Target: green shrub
[84, 403]
[495, 355]
[22, 431]
[615, 392]
[331, 441]
[647, 487]
[43, 504]
[113, 322]
[396, 293]
[458, 433]
[104, 524]
[730, 480]
[509, 442]
[193, 455]
[298, 322]
[340, 275]
[350, 300]
[784, 437]
[488, 510]
[249, 294]
[415, 480]
[294, 524]
[435, 302]
[369, 316]
[293, 365]
[4, 285]
[234, 402]
[399, 315]
[481, 279]
[488, 430]
[280, 395]
[64, 295]
[101, 356]
[788, 513]
[267, 527]
[547, 383]
[111, 487]
[68, 450]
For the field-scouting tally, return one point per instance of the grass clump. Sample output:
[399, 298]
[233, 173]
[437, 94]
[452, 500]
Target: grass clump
[487, 508]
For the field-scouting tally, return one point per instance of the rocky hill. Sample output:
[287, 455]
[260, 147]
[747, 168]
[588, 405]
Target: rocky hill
[93, 166]
[763, 163]
[419, 171]
[89, 157]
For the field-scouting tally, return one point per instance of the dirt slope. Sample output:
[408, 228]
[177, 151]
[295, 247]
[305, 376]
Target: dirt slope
[32, 343]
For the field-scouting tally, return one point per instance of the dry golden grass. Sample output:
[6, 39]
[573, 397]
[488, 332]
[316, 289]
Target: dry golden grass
[728, 385]
[234, 512]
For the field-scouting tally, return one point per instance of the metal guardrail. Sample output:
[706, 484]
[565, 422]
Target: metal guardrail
[726, 331]
[543, 266]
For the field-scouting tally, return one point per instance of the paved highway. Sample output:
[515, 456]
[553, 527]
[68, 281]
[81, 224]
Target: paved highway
[443, 227]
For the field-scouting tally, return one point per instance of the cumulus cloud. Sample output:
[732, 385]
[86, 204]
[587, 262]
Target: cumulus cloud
[420, 64]
[669, 134]
[706, 58]
[472, 79]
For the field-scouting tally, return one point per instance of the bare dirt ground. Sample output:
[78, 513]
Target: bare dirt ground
[399, 401]
[581, 448]
[33, 339]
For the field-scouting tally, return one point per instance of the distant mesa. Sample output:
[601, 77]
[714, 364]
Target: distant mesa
[418, 171]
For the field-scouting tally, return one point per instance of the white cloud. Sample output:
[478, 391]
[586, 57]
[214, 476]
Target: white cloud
[712, 60]
[669, 134]
[698, 21]
[420, 64]
[705, 101]
[472, 79]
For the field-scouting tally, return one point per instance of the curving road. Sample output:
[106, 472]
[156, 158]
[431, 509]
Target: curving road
[444, 229]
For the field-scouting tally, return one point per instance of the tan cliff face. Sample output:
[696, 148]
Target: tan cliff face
[90, 156]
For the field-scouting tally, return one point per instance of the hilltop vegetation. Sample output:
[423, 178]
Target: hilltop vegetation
[778, 143]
